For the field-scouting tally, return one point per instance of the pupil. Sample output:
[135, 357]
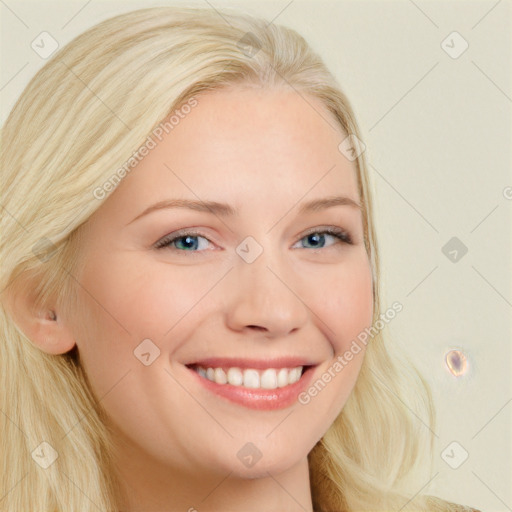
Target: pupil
[314, 236]
[188, 241]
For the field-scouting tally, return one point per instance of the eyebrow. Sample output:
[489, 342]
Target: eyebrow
[224, 210]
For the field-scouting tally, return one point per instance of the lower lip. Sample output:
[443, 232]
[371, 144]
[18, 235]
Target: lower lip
[260, 399]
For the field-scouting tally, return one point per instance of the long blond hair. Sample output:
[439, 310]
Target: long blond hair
[78, 121]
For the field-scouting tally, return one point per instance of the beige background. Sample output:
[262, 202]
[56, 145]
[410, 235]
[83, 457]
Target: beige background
[438, 133]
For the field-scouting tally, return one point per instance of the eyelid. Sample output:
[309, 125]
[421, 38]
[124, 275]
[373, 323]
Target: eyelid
[325, 228]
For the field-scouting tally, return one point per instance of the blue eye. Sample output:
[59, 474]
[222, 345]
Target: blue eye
[189, 244]
[317, 237]
[188, 241]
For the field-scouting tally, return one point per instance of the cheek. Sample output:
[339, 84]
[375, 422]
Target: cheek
[126, 302]
[137, 299]
[344, 309]
[346, 302]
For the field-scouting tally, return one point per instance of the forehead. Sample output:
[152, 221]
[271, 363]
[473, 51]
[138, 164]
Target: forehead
[244, 146]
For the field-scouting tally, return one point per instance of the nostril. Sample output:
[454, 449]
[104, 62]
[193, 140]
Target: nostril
[257, 327]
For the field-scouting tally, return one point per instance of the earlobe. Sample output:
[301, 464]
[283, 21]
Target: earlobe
[44, 327]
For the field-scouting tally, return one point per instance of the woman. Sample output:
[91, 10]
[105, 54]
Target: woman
[190, 307]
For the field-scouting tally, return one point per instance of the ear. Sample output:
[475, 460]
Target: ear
[42, 325]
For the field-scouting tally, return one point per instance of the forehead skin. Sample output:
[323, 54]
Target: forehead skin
[260, 150]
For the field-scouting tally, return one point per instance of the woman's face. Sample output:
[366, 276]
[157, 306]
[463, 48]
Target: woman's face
[253, 290]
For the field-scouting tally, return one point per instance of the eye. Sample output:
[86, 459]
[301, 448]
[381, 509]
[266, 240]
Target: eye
[317, 238]
[184, 242]
[188, 241]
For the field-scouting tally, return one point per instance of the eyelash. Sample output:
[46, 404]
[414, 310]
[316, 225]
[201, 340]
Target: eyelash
[342, 235]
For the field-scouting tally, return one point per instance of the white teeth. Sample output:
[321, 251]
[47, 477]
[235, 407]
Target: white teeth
[251, 379]
[270, 378]
[294, 375]
[220, 376]
[282, 378]
[235, 377]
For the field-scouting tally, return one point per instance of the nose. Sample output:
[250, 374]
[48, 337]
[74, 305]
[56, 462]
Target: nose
[262, 297]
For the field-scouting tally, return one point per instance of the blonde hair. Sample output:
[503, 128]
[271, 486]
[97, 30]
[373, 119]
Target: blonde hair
[79, 119]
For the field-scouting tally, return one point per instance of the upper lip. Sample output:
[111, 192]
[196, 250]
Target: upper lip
[261, 364]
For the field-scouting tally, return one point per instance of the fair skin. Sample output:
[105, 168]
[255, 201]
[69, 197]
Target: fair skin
[265, 153]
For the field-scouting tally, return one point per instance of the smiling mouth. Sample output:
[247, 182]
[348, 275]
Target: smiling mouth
[252, 378]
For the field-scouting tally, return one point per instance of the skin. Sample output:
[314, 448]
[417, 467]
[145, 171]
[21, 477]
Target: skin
[265, 152]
